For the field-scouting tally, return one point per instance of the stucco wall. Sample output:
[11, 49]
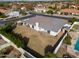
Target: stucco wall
[53, 33]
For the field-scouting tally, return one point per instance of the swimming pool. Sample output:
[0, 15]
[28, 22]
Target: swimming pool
[77, 45]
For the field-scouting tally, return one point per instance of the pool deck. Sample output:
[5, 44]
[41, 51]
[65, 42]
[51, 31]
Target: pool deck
[70, 48]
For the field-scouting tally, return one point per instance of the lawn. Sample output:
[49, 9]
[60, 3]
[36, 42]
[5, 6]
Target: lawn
[76, 27]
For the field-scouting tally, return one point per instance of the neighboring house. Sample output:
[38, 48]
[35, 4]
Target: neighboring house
[4, 10]
[27, 6]
[13, 14]
[15, 6]
[40, 8]
[75, 6]
[43, 23]
[69, 12]
[61, 5]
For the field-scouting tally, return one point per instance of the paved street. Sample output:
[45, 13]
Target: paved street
[66, 16]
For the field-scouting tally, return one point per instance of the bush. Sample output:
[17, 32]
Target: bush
[2, 15]
[49, 12]
[50, 7]
[23, 12]
[50, 55]
[4, 4]
[73, 20]
[67, 40]
[7, 32]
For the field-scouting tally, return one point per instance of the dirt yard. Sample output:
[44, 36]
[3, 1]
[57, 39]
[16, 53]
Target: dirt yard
[38, 41]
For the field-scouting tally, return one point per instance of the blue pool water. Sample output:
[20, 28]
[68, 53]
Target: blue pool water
[77, 45]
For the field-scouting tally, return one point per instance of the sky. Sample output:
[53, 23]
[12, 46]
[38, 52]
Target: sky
[28, 0]
[24, 0]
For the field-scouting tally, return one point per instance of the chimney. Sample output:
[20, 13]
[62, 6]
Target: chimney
[37, 24]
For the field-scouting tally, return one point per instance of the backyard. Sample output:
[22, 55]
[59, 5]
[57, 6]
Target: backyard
[35, 38]
[70, 39]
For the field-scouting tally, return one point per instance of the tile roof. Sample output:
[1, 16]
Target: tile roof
[3, 10]
[48, 23]
[70, 11]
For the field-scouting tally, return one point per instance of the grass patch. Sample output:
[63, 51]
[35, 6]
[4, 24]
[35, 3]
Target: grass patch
[50, 55]
[67, 40]
[76, 27]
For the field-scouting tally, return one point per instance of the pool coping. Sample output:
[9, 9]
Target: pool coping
[75, 44]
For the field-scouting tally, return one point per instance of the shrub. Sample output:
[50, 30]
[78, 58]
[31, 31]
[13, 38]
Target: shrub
[73, 20]
[67, 40]
[49, 12]
[7, 32]
[2, 15]
[50, 55]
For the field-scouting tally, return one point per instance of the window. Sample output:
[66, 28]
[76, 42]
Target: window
[32, 26]
[48, 31]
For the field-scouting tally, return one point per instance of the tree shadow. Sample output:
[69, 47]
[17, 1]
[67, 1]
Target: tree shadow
[33, 52]
[25, 40]
[48, 49]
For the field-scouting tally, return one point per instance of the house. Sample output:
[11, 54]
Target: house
[62, 5]
[44, 23]
[70, 12]
[27, 6]
[13, 14]
[40, 8]
[4, 10]
[75, 6]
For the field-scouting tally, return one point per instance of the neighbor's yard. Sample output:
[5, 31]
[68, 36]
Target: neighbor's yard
[76, 27]
[10, 52]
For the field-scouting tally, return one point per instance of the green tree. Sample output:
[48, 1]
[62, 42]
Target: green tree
[2, 15]
[50, 7]
[23, 12]
[7, 32]
[4, 4]
[67, 40]
[50, 55]
[49, 12]
[73, 20]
